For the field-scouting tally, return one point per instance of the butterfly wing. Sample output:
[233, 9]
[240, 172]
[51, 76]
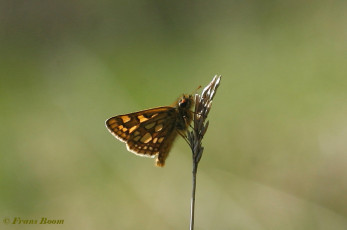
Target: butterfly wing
[147, 133]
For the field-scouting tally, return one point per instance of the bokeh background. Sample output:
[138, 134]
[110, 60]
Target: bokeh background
[276, 149]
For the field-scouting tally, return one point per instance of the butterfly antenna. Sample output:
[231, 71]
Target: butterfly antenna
[194, 92]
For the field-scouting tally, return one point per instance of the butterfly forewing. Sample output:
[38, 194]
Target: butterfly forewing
[145, 131]
[150, 132]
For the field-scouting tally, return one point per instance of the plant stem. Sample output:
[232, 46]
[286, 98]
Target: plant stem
[192, 201]
[201, 109]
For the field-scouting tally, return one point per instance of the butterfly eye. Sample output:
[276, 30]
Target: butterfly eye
[182, 103]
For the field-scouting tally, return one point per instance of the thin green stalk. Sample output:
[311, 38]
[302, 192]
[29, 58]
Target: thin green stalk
[192, 201]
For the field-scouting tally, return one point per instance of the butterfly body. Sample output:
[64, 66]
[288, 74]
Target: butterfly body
[152, 132]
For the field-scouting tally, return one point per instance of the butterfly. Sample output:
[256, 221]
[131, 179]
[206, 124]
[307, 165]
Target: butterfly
[151, 132]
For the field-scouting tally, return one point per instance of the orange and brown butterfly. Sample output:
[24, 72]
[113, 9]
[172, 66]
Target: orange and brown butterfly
[151, 132]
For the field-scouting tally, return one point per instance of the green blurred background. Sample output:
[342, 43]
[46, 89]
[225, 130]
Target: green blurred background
[276, 149]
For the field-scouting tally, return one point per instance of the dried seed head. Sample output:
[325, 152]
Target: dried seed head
[203, 103]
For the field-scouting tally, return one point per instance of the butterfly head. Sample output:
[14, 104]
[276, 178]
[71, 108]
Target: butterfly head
[185, 102]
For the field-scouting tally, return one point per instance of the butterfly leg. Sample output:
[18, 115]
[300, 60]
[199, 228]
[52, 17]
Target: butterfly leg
[184, 136]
